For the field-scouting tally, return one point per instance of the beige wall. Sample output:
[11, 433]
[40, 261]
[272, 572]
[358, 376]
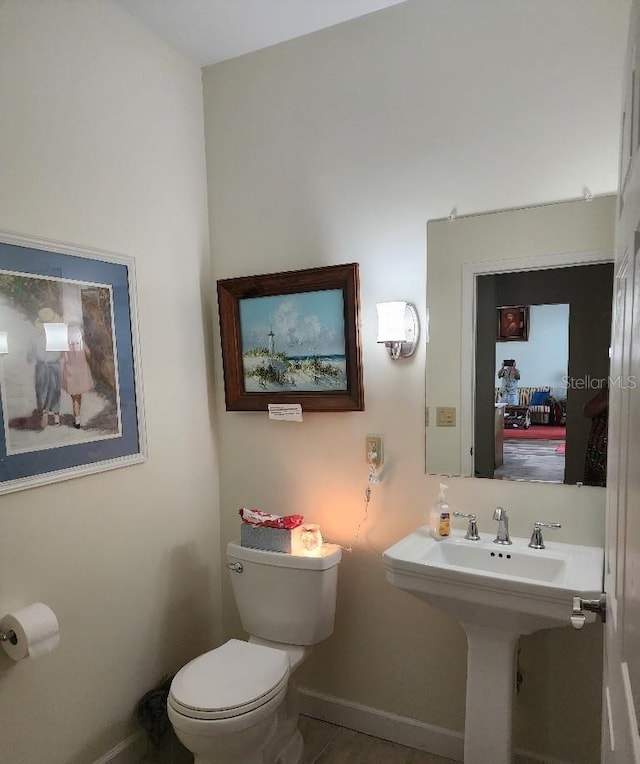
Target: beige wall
[338, 147]
[332, 148]
[103, 145]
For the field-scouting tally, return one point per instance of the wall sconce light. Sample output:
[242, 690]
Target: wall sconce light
[4, 342]
[56, 336]
[398, 328]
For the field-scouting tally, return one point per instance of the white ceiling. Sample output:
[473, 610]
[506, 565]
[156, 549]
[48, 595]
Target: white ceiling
[208, 31]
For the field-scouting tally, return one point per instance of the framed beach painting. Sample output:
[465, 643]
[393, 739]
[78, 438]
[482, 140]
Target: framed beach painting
[292, 338]
[70, 386]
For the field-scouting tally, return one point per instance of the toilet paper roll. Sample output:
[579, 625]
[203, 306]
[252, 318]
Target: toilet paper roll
[36, 632]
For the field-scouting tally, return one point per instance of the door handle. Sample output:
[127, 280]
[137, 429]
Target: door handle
[598, 606]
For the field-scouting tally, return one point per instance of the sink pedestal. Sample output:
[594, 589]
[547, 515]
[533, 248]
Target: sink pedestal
[491, 657]
[497, 594]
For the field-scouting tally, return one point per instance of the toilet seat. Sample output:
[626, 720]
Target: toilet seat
[229, 681]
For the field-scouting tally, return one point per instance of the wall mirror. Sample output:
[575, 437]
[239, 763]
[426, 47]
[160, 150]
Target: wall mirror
[532, 286]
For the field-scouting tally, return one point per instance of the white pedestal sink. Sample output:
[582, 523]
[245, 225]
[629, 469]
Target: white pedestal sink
[497, 593]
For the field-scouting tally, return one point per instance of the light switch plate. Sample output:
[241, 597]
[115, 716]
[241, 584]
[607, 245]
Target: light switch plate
[446, 416]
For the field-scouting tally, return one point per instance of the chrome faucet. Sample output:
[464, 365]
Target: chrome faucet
[537, 542]
[502, 537]
[472, 529]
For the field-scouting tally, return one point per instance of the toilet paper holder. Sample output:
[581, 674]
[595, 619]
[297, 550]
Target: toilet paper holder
[8, 636]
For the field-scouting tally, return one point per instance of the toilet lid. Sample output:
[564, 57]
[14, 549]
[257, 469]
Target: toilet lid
[228, 681]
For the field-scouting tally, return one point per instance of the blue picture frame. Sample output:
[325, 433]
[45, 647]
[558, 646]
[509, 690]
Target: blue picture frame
[71, 400]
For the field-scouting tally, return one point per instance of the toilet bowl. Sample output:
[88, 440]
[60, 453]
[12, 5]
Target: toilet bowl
[237, 704]
[223, 704]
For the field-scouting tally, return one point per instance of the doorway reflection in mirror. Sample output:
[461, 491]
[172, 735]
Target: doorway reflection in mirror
[533, 443]
[540, 442]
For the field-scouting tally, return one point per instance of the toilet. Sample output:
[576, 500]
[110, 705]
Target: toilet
[237, 704]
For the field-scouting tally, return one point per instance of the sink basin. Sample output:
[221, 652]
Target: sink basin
[506, 586]
[497, 592]
[514, 563]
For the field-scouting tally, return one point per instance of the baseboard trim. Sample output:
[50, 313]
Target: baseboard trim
[128, 751]
[403, 730]
[440, 741]
[383, 724]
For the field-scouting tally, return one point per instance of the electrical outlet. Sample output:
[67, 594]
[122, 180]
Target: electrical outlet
[374, 445]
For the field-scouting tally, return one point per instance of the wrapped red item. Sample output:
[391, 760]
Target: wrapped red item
[265, 520]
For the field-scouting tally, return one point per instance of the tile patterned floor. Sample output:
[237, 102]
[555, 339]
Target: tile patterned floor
[328, 744]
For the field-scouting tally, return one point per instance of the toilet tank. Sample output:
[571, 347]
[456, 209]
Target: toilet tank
[283, 597]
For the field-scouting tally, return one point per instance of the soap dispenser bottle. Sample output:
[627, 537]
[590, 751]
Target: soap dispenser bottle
[440, 517]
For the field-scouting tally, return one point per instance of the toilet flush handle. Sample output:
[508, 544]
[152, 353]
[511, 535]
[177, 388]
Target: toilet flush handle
[236, 567]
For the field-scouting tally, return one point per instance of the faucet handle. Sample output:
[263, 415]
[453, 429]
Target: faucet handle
[537, 542]
[472, 529]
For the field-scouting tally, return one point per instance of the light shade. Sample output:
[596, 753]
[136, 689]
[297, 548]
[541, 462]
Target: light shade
[398, 327]
[4, 342]
[57, 336]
